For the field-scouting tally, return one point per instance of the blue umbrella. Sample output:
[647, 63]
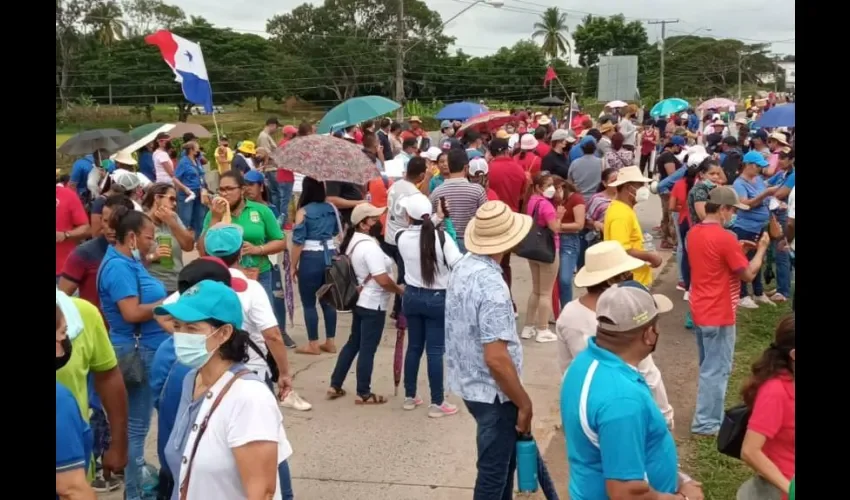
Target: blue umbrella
[354, 111]
[460, 111]
[779, 116]
[668, 107]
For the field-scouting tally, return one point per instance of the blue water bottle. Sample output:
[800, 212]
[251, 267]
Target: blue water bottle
[526, 464]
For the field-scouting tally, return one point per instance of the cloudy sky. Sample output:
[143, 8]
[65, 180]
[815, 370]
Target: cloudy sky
[484, 28]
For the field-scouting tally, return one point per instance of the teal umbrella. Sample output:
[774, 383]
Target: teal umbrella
[354, 111]
[668, 107]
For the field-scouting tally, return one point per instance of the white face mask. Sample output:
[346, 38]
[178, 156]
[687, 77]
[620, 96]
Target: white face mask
[549, 192]
[642, 194]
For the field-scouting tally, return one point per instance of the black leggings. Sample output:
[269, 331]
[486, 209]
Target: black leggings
[686, 265]
[644, 163]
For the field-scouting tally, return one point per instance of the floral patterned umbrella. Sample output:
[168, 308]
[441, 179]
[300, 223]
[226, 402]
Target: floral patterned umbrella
[326, 158]
[486, 122]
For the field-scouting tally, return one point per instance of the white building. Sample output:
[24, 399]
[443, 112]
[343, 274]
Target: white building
[790, 74]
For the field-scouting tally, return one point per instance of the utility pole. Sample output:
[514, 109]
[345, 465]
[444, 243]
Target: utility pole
[775, 73]
[663, 48]
[399, 63]
[740, 72]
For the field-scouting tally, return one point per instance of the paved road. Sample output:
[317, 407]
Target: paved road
[384, 452]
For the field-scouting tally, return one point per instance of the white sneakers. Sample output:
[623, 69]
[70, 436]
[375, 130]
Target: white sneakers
[296, 402]
[764, 299]
[748, 303]
[541, 336]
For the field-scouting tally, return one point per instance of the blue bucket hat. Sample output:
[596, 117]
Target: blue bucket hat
[756, 158]
[222, 240]
[204, 301]
[254, 177]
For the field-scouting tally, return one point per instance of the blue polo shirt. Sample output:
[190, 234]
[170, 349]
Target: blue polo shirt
[73, 434]
[80, 173]
[626, 437]
[754, 219]
[146, 166]
[166, 382]
[120, 277]
[190, 174]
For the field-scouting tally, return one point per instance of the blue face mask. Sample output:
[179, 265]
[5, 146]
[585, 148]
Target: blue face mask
[136, 254]
[731, 222]
[191, 349]
[709, 183]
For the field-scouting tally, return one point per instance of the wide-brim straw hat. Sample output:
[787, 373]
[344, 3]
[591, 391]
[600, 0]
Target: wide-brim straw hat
[495, 229]
[629, 174]
[604, 261]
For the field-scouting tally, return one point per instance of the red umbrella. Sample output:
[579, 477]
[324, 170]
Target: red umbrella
[398, 354]
[486, 122]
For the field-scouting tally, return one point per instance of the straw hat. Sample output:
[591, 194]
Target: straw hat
[629, 174]
[495, 229]
[502, 134]
[779, 137]
[603, 261]
[124, 157]
[606, 127]
[544, 120]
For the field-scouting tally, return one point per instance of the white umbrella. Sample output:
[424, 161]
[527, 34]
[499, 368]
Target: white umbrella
[132, 148]
[616, 104]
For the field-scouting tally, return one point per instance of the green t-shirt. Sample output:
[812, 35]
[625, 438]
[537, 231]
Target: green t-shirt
[259, 227]
[792, 489]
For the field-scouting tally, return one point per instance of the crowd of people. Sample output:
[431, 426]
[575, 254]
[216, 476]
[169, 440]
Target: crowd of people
[140, 327]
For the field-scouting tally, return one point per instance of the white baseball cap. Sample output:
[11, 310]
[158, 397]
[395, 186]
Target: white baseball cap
[432, 154]
[416, 206]
[478, 166]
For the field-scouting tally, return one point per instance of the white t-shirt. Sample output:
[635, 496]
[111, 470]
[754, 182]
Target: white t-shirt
[160, 159]
[247, 413]
[409, 248]
[368, 259]
[396, 215]
[792, 209]
[576, 324]
[257, 315]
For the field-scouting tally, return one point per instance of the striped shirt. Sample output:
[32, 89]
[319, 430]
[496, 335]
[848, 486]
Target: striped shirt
[463, 199]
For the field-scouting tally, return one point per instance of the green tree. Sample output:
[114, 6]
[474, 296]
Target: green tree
[597, 36]
[146, 16]
[107, 23]
[552, 28]
[69, 41]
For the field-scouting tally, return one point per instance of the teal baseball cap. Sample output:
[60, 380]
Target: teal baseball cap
[223, 239]
[756, 158]
[204, 301]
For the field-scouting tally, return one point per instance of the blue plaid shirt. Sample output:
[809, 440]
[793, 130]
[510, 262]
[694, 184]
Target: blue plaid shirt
[478, 311]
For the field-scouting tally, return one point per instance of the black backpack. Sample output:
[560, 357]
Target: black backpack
[341, 289]
[730, 439]
[731, 166]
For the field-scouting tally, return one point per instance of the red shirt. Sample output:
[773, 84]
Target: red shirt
[716, 261]
[491, 195]
[646, 144]
[543, 149]
[284, 175]
[507, 180]
[773, 416]
[69, 214]
[530, 164]
[680, 192]
[572, 201]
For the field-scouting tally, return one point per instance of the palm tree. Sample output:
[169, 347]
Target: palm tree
[107, 22]
[553, 29]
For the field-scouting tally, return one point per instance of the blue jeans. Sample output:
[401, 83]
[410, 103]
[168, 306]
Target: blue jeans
[367, 326]
[682, 254]
[284, 195]
[782, 259]
[192, 213]
[425, 312]
[266, 279]
[716, 346]
[570, 248]
[496, 438]
[758, 288]
[285, 481]
[583, 246]
[272, 188]
[311, 276]
[140, 408]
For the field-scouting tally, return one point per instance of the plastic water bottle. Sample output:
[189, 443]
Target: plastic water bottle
[149, 483]
[526, 464]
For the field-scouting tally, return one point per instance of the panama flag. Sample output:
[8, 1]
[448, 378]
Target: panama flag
[187, 62]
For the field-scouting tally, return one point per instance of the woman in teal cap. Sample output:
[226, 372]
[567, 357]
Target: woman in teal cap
[228, 439]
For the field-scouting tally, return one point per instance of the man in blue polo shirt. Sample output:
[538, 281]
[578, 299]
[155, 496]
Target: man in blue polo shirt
[618, 443]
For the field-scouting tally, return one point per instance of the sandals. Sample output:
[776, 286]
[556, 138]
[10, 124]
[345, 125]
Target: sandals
[371, 399]
[335, 393]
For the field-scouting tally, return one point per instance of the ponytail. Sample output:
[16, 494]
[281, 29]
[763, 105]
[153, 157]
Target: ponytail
[427, 251]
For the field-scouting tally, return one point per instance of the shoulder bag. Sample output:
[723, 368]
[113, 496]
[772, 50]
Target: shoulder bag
[184, 485]
[730, 438]
[539, 244]
[131, 364]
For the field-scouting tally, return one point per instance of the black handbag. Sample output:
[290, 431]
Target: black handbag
[539, 243]
[730, 439]
[131, 364]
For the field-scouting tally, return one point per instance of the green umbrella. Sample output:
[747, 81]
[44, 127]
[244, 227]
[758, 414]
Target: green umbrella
[354, 111]
[144, 130]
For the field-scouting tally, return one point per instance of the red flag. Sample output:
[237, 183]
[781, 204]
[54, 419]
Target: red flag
[550, 75]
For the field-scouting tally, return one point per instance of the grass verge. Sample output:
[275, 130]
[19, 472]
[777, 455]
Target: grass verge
[720, 475]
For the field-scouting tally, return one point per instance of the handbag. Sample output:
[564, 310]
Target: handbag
[131, 364]
[730, 439]
[774, 230]
[184, 485]
[539, 244]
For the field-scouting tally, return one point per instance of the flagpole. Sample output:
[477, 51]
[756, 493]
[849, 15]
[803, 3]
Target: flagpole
[570, 122]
